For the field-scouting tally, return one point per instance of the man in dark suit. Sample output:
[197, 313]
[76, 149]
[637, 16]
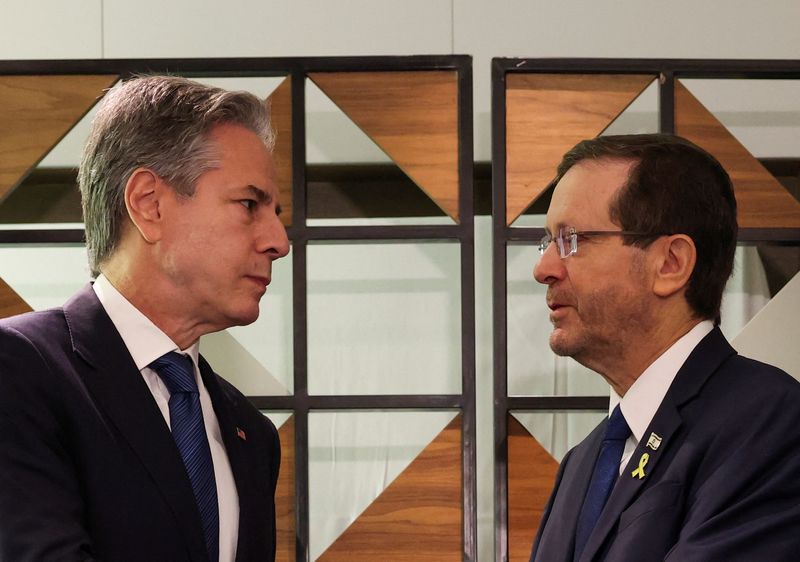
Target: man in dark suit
[700, 456]
[117, 440]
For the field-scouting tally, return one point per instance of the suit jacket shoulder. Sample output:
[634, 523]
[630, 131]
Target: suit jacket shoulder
[723, 456]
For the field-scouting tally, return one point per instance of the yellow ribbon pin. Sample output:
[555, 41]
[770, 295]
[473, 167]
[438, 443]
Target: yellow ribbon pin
[642, 463]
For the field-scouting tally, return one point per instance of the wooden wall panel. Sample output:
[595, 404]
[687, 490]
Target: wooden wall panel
[281, 104]
[285, 497]
[417, 518]
[10, 302]
[761, 200]
[531, 475]
[412, 116]
[35, 113]
[546, 115]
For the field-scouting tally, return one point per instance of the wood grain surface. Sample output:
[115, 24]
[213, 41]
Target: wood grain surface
[546, 115]
[761, 200]
[280, 101]
[35, 114]
[10, 302]
[284, 495]
[412, 117]
[531, 475]
[417, 518]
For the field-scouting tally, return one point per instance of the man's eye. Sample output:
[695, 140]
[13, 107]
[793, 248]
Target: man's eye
[249, 204]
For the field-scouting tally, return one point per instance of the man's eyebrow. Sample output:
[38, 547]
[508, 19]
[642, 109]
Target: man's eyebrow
[547, 229]
[263, 196]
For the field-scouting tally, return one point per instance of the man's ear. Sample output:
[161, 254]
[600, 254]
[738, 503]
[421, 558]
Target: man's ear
[675, 257]
[143, 200]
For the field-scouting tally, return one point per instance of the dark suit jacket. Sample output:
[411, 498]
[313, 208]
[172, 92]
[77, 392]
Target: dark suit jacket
[88, 466]
[723, 485]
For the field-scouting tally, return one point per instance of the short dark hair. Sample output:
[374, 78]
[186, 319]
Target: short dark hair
[674, 187]
[157, 122]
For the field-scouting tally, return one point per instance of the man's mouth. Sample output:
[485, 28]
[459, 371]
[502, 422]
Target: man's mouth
[260, 280]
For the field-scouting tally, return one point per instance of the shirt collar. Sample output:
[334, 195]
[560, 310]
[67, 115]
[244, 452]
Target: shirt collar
[643, 398]
[145, 341]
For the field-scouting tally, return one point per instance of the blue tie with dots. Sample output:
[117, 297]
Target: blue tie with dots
[605, 475]
[189, 432]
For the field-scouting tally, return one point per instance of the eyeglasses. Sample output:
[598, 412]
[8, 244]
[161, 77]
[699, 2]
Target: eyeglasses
[567, 238]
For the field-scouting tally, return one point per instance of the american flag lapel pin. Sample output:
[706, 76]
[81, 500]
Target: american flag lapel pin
[241, 434]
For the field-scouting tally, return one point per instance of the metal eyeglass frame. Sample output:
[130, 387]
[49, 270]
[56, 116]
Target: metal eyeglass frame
[569, 234]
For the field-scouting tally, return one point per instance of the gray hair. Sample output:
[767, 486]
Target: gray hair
[161, 123]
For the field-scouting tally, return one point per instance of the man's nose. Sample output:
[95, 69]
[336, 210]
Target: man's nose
[275, 240]
[550, 267]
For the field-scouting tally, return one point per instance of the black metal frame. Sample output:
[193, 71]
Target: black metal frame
[667, 71]
[301, 403]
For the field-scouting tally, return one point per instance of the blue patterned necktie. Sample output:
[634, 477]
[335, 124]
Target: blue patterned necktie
[189, 432]
[605, 475]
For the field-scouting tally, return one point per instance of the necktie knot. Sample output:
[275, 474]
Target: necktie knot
[177, 372]
[617, 428]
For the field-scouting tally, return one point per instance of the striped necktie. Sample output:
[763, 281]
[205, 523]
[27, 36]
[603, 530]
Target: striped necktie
[189, 432]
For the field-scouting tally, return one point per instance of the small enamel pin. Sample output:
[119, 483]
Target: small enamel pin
[654, 441]
[642, 463]
[241, 434]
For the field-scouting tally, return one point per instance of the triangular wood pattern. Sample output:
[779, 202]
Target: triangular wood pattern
[417, 518]
[35, 114]
[546, 115]
[285, 497]
[761, 200]
[10, 302]
[531, 475]
[412, 116]
[280, 101]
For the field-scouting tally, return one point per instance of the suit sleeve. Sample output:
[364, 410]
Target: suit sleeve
[40, 501]
[749, 507]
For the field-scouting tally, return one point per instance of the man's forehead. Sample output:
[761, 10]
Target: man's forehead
[241, 148]
[582, 196]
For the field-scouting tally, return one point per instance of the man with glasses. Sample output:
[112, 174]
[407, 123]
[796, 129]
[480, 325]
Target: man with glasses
[700, 456]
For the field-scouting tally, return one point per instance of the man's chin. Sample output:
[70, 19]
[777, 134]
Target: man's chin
[561, 344]
[245, 317]
[249, 319]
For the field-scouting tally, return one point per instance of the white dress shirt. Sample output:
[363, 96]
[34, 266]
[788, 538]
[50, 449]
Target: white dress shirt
[643, 398]
[146, 343]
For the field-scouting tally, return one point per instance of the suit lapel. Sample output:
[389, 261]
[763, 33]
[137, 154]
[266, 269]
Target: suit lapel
[665, 423]
[224, 408]
[689, 380]
[121, 393]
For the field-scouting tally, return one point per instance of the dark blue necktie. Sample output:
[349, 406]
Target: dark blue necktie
[189, 432]
[606, 472]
